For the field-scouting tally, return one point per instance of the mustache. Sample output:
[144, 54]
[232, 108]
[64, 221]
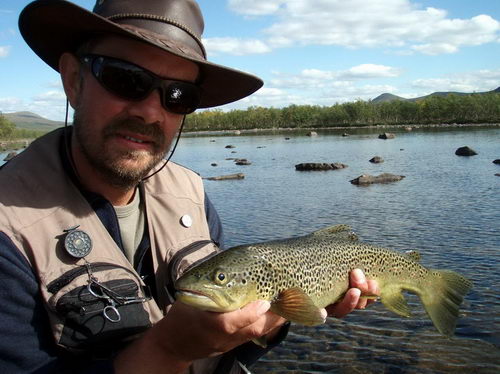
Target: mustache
[151, 130]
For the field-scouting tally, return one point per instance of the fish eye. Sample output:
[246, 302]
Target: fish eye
[220, 277]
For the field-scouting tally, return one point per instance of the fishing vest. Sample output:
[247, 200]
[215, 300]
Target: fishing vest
[91, 292]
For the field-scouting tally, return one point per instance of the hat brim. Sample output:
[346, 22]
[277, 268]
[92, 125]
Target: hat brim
[51, 36]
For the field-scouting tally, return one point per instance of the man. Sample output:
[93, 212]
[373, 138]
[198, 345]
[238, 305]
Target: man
[96, 224]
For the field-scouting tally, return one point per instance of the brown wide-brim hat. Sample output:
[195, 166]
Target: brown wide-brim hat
[52, 27]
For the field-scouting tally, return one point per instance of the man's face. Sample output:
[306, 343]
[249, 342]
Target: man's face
[122, 140]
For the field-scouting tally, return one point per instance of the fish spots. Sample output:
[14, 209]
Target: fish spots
[317, 265]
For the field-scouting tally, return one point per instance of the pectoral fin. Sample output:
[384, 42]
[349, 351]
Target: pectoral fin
[294, 305]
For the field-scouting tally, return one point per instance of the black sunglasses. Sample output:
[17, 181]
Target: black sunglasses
[131, 82]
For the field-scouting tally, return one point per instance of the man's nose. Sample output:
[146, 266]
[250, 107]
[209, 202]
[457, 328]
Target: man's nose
[148, 109]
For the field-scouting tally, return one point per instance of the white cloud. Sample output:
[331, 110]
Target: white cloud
[315, 78]
[255, 7]
[50, 104]
[435, 49]
[318, 87]
[235, 46]
[53, 96]
[476, 81]
[395, 24]
[372, 71]
[10, 104]
[4, 51]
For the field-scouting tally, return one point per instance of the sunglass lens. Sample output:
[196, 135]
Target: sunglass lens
[126, 82]
[132, 82]
[181, 97]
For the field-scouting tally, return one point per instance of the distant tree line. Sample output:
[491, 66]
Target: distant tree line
[473, 108]
[9, 131]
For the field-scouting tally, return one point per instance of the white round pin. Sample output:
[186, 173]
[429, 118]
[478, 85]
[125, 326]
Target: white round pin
[186, 220]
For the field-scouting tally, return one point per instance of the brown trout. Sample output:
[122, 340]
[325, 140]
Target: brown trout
[299, 276]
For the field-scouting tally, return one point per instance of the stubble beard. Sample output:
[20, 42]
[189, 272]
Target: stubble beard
[123, 169]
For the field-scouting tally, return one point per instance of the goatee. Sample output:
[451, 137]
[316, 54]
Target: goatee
[123, 169]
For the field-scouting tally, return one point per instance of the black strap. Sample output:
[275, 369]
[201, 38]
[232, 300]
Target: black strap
[173, 265]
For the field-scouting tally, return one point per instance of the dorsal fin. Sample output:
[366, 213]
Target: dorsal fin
[337, 232]
[414, 255]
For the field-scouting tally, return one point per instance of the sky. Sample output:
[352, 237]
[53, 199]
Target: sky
[308, 52]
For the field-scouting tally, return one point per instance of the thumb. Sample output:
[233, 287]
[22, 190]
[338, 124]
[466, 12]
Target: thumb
[252, 312]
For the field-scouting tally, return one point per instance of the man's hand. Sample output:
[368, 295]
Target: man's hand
[216, 333]
[359, 286]
[187, 334]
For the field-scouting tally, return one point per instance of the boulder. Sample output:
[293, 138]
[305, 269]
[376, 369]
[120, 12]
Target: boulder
[242, 161]
[230, 146]
[318, 166]
[465, 151]
[312, 133]
[376, 160]
[382, 178]
[213, 164]
[387, 135]
[226, 177]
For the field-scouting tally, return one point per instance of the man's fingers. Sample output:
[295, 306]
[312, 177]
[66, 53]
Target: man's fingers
[373, 289]
[346, 305]
[246, 316]
[358, 280]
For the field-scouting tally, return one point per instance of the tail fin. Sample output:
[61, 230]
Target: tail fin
[442, 300]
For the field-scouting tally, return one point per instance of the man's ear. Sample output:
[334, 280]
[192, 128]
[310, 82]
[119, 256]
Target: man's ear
[69, 68]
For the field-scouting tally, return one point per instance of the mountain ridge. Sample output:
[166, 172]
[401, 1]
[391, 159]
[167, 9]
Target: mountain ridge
[388, 97]
[32, 121]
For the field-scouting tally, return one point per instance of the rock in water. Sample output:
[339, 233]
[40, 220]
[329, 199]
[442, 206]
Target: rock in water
[377, 160]
[319, 166]
[382, 178]
[465, 151]
[387, 135]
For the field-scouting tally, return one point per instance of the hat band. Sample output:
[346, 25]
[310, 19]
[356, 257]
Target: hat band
[166, 20]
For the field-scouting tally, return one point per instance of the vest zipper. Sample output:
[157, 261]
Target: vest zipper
[65, 279]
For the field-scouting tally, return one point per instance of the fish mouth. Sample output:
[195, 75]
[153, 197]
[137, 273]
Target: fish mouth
[200, 300]
[192, 293]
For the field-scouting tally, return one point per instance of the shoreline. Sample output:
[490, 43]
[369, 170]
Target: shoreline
[333, 128]
[18, 144]
[14, 145]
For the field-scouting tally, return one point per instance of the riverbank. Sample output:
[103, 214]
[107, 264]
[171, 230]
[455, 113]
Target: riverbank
[15, 145]
[405, 127]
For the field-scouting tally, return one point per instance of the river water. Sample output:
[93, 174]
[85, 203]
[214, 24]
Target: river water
[447, 207]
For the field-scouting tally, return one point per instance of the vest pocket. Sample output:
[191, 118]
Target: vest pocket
[96, 304]
[91, 317]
